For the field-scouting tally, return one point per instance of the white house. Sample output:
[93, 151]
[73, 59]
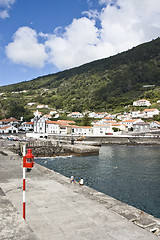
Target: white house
[27, 126]
[124, 116]
[52, 127]
[9, 122]
[8, 129]
[119, 126]
[136, 114]
[129, 123]
[103, 129]
[150, 113]
[155, 124]
[82, 130]
[107, 119]
[141, 127]
[42, 106]
[75, 115]
[142, 102]
[31, 104]
[64, 128]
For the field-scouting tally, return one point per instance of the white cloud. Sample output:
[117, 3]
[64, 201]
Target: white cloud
[75, 46]
[123, 24]
[120, 25]
[25, 48]
[5, 5]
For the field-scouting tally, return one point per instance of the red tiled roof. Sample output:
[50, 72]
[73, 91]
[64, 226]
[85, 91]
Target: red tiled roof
[150, 110]
[66, 121]
[85, 127]
[141, 100]
[130, 120]
[11, 119]
[6, 127]
[52, 122]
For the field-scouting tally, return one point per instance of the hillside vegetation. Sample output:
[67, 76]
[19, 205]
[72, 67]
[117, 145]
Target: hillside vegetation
[106, 84]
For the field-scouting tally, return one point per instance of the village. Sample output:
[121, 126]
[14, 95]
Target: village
[103, 124]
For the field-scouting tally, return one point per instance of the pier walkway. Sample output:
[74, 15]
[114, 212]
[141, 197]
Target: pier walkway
[56, 209]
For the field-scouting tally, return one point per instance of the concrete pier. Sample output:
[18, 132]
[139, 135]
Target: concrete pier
[57, 209]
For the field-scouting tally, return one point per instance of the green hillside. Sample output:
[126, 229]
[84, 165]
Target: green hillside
[110, 83]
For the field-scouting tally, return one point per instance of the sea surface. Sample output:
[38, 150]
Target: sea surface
[130, 174]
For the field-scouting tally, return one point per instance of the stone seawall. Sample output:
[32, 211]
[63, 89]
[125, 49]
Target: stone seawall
[101, 140]
[128, 140]
[45, 148]
[89, 146]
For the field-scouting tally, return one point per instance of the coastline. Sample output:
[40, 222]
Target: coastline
[102, 209]
[90, 146]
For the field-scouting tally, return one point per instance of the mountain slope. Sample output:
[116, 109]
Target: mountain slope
[103, 84]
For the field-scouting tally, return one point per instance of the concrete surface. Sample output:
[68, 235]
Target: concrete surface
[56, 209]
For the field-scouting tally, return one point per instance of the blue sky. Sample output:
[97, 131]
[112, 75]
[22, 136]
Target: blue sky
[42, 37]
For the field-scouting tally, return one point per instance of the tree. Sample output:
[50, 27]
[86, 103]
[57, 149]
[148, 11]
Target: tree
[15, 108]
[86, 121]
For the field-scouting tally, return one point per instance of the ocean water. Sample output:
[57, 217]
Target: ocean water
[130, 174]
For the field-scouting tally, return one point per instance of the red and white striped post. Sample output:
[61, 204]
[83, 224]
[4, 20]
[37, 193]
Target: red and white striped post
[24, 183]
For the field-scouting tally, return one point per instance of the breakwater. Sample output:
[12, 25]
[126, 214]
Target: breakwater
[45, 148]
[54, 146]
[120, 139]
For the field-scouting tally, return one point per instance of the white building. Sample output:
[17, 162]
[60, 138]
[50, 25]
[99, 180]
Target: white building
[129, 123]
[125, 116]
[142, 102]
[103, 129]
[8, 129]
[75, 115]
[9, 122]
[82, 130]
[52, 127]
[150, 113]
[31, 104]
[136, 114]
[26, 126]
[141, 127]
[105, 119]
[40, 125]
[42, 106]
[121, 127]
[45, 126]
[155, 124]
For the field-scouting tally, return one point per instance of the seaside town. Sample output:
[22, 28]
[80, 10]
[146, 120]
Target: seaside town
[52, 197]
[102, 124]
[80, 120]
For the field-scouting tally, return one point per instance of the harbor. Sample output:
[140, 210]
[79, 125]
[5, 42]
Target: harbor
[57, 209]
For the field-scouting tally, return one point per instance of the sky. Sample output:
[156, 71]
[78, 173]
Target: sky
[43, 37]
